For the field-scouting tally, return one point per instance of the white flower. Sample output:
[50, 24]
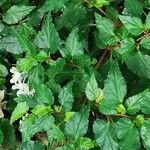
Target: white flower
[16, 77]
[2, 104]
[23, 88]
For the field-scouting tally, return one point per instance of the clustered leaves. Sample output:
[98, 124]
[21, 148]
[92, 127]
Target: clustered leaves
[87, 63]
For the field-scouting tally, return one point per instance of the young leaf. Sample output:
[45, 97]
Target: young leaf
[48, 37]
[104, 135]
[134, 7]
[114, 90]
[145, 134]
[77, 126]
[148, 21]
[73, 47]
[31, 145]
[128, 134]
[92, 91]
[17, 13]
[145, 42]
[138, 102]
[44, 94]
[85, 143]
[66, 97]
[132, 24]
[34, 124]
[139, 64]
[106, 28]
[19, 111]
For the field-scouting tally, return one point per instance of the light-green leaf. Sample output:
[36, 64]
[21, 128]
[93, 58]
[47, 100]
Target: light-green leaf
[17, 13]
[66, 97]
[44, 94]
[139, 64]
[104, 135]
[145, 42]
[85, 143]
[92, 91]
[128, 134]
[145, 134]
[41, 110]
[132, 24]
[114, 90]
[77, 126]
[73, 47]
[19, 111]
[48, 37]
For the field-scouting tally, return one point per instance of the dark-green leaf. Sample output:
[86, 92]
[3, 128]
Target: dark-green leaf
[104, 135]
[128, 134]
[77, 126]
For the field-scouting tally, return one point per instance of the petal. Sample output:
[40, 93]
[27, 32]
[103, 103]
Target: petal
[1, 113]
[2, 95]
[13, 70]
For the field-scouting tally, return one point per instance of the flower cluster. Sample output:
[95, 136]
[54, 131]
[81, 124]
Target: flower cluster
[18, 80]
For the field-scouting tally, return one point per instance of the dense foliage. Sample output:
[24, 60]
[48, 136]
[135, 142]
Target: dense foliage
[75, 74]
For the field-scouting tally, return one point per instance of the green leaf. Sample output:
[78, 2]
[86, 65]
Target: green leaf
[128, 134]
[1, 137]
[25, 64]
[17, 13]
[66, 147]
[31, 145]
[114, 90]
[139, 64]
[132, 24]
[85, 143]
[145, 42]
[41, 110]
[92, 91]
[105, 28]
[104, 135]
[77, 126]
[19, 111]
[138, 102]
[34, 124]
[73, 47]
[48, 37]
[134, 7]
[145, 134]
[44, 94]
[66, 97]
[24, 42]
[1, 26]
[3, 71]
[126, 49]
[9, 134]
[11, 45]
[148, 21]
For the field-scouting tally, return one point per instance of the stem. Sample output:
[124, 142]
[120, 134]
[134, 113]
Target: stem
[122, 115]
[102, 58]
[143, 37]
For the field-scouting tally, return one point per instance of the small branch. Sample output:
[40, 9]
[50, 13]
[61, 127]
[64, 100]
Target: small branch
[143, 37]
[102, 58]
[122, 115]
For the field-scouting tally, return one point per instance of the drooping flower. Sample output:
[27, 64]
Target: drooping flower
[23, 88]
[16, 77]
[2, 104]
